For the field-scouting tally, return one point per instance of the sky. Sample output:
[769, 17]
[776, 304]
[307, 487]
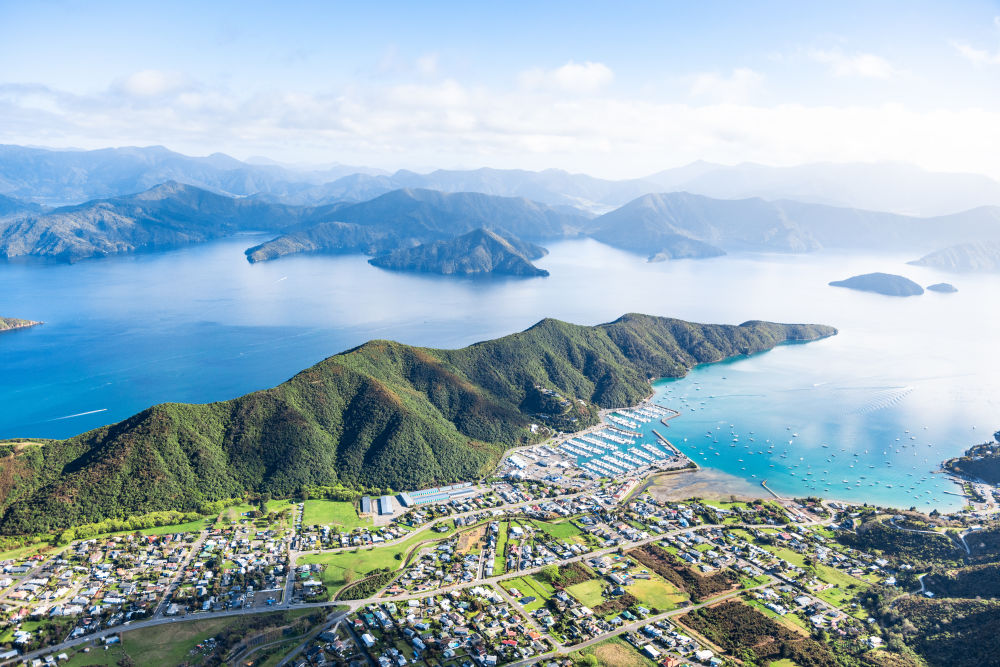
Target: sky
[612, 89]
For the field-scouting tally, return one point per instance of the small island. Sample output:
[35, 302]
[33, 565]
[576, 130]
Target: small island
[11, 323]
[944, 288]
[881, 283]
[480, 252]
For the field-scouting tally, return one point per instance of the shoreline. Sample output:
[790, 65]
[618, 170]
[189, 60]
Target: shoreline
[18, 324]
[715, 483]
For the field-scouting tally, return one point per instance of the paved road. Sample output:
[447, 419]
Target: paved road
[434, 522]
[332, 620]
[353, 605]
[175, 580]
[631, 627]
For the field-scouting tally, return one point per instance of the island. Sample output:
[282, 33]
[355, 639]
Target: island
[977, 256]
[480, 252]
[944, 288]
[881, 283]
[11, 323]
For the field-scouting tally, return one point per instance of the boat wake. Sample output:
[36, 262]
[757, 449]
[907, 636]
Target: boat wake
[885, 398]
[79, 414]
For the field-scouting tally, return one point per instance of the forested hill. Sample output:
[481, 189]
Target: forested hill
[381, 415]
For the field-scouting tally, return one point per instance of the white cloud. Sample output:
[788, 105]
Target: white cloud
[152, 83]
[733, 88]
[977, 56]
[427, 64]
[577, 78]
[445, 123]
[866, 65]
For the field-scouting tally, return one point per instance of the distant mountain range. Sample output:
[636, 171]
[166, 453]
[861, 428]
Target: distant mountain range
[480, 252]
[658, 226]
[897, 188]
[406, 218]
[680, 224]
[166, 216]
[59, 177]
[383, 415]
[980, 256]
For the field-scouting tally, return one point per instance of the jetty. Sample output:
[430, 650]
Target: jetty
[667, 442]
[673, 415]
[774, 493]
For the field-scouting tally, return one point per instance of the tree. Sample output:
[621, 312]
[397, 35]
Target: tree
[550, 573]
[349, 576]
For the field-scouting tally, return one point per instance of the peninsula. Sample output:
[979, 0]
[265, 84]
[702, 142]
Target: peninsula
[881, 283]
[981, 462]
[11, 323]
[980, 256]
[382, 415]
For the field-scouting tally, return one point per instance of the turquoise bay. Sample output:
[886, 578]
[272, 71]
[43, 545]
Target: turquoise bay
[200, 324]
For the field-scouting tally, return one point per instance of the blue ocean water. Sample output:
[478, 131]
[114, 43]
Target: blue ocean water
[201, 324]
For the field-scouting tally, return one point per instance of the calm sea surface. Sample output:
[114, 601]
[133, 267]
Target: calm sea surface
[906, 383]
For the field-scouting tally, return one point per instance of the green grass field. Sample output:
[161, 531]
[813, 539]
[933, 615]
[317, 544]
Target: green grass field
[528, 585]
[562, 530]
[792, 557]
[784, 662]
[367, 559]
[167, 644]
[189, 527]
[329, 512]
[841, 593]
[499, 563]
[236, 512]
[170, 644]
[751, 582]
[25, 551]
[656, 592]
[97, 656]
[790, 620]
[725, 505]
[846, 587]
[616, 651]
[588, 593]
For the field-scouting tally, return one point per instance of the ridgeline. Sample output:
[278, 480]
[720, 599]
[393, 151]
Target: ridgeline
[382, 415]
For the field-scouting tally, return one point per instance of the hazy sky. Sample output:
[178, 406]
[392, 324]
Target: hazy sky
[613, 89]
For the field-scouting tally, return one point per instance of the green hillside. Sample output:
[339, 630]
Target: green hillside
[381, 415]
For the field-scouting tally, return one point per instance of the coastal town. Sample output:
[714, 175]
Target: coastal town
[548, 561]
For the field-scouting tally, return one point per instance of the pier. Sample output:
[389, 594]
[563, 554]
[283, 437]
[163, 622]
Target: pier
[774, 493]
